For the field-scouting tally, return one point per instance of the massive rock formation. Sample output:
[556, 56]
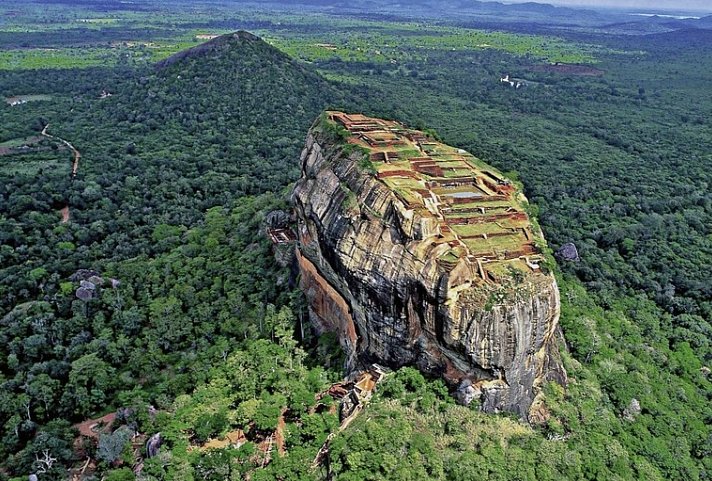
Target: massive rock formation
[417, 253]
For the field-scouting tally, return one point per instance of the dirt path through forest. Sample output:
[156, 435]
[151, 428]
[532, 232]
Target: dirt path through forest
[75, 152]
[77, 156]
[279, 433]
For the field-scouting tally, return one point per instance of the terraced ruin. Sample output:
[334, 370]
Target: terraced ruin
[477, 212]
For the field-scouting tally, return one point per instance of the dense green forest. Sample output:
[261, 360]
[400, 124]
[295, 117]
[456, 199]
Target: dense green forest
[195, 331]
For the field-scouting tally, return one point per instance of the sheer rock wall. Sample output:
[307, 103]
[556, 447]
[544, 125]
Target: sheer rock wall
[370, 273]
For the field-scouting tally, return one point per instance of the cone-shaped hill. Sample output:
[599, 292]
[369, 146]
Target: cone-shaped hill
[219, 120]
[237, 101]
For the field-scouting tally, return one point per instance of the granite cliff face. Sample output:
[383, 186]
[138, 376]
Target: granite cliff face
[417, 253]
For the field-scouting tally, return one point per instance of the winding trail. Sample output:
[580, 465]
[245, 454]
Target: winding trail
[75, 166]
[75, 152]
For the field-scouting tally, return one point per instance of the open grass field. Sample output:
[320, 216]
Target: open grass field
[33, 38]
[414, 42]
[32, 163]
[134, 52]
[15, 143]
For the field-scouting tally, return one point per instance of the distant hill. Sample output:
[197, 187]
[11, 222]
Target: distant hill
[704, 22]
[685, 37]
[532, 6]
[637, 27]
[104, 5]
[493, 14]
[489, 11]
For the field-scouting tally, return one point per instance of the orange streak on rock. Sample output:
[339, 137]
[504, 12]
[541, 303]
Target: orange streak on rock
[329, 306]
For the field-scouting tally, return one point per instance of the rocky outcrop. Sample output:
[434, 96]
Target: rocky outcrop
[568, 252]
[153, 445]
[400, 286]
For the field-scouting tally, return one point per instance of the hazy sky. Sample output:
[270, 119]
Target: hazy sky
[684, 5]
